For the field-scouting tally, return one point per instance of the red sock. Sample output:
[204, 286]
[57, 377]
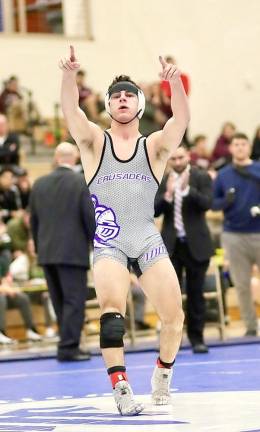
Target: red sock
[117, 374]
[162, 364]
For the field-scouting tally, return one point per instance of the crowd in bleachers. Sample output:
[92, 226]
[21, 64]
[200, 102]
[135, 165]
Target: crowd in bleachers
[17, 256]
[19, 113]
[18, 262]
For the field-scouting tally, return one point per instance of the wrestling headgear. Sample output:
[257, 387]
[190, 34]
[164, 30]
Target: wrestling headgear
[129, 87]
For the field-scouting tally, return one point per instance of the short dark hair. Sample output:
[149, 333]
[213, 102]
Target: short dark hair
[198, 138]
[170, 59]
[5, 169]
[120, 78]
[81, 73]
[12, 78]
[239, 135]
[185, 146]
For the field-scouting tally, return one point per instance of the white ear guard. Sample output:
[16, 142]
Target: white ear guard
[141, 103]
[125, 85]
[107, 107]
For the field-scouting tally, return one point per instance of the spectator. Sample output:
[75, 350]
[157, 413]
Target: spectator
[148, 122]
[23, 184]
[221, 154]
[62, 220]
[10, 200]
[199, 155]
[183, 198]
[10, 95]
[256, 145]
[19, 232]
[237, 193]
[88, 101]
[21, 269]
[160, 116]
[5, 250]
[12, 297]
[9, 144]
[12, 105]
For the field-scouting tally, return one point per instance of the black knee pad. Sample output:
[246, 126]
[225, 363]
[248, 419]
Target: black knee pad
[112, 330]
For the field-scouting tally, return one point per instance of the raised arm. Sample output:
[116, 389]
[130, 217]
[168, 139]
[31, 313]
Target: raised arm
[81, 129]
[169, 138]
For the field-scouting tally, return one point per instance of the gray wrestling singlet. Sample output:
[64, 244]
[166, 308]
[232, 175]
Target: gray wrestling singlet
[123, 193]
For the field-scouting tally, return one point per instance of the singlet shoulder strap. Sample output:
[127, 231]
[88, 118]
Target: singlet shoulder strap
[148, 161]
[113, 150]
[101, 159]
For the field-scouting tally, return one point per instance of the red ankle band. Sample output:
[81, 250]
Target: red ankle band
[117, 376]
[162, 364]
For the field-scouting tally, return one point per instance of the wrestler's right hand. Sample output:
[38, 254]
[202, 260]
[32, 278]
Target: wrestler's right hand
[69, 64]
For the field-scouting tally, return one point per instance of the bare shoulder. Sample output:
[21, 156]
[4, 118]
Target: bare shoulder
[156, 148]
[86, 133]
[158, 154]
[154, 137]
[91, 148]
[93, 140]
[167, 140]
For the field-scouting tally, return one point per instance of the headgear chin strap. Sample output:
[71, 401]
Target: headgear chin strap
[129, 87]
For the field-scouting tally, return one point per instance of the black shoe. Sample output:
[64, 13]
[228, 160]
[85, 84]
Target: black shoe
[251, 333]
[200, 348]
[78, 356]
[140, 325]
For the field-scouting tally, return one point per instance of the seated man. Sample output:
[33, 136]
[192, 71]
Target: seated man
[13, 297]
[10, 199]
[24, 271]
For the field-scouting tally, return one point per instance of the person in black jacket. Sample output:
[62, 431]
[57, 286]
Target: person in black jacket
[183, 198]
[9, 144]
[10, 198]
[63, 224]
[255, 155]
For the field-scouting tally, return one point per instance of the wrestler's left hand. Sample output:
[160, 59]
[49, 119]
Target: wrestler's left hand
[70, 64]
[169, 72]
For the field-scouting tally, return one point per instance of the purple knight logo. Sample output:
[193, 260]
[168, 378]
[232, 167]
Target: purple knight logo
[106, 225]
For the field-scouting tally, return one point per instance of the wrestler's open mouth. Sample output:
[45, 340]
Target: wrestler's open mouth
[123, 107]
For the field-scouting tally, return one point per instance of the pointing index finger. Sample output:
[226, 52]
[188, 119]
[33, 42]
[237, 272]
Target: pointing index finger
[162, 61]
[72, 54]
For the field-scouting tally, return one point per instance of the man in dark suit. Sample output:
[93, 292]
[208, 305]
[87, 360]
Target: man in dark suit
[9, 144]
[63, 224]
[183, 198]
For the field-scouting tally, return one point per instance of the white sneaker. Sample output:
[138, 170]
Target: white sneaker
[161, 380]
[4, 340]
[50, 333]
[31, 335]
[124, 399]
